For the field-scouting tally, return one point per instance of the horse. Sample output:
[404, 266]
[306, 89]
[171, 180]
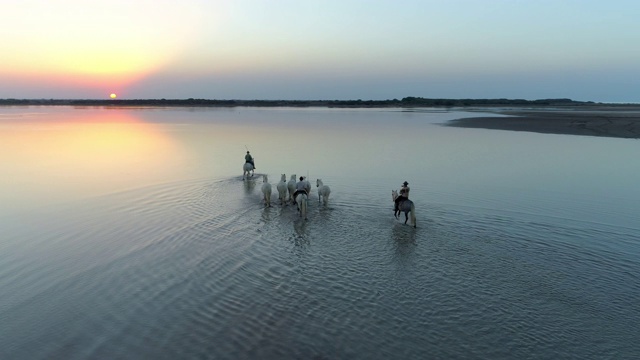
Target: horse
[323, 191]
[405, 206]
[291, 186]
[266, 191]
[246, 169]
[301, 200]
[282, 189]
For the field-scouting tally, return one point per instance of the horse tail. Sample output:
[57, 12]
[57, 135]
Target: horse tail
[303, 207]
[413, 214]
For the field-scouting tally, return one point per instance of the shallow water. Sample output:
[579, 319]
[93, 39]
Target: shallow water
[131, 234]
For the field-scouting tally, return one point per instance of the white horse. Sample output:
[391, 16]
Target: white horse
[291, 186]
[266, 191]
[405, 206]
[282, 189]
[246, 169]
[301, 200]
[323, 191]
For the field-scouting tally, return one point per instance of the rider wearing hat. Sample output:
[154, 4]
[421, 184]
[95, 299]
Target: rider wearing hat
[248, 158]
[403, 194]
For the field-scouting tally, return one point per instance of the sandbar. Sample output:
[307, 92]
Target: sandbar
[617, 122]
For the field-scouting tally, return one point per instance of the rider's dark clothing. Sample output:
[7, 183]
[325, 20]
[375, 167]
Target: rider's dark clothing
[248, 158]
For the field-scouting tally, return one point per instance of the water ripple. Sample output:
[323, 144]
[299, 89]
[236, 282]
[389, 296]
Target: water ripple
[194, 271]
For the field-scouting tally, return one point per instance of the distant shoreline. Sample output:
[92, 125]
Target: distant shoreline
[551, 116]
[405, 102]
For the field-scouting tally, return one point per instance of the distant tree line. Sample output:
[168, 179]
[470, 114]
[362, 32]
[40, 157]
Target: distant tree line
[488, 102]
[405, 102]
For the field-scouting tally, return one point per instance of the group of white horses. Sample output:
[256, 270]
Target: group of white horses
[287, 189]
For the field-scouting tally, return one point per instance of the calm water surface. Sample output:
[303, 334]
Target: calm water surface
[129, 233]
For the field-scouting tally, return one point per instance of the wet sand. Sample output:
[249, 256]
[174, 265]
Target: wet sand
[618, 122]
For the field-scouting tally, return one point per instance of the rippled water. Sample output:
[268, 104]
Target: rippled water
[527, 245]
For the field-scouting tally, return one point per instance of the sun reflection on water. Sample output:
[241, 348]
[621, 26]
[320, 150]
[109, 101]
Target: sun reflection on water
[58, 156]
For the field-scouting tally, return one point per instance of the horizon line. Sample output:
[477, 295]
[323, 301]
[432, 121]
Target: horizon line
[411, 100]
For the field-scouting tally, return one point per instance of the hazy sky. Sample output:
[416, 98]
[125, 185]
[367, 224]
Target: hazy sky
[331, 49]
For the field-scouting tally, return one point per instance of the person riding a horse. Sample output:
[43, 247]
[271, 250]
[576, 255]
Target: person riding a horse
[248, 158]
[403, 195]
[301, 187]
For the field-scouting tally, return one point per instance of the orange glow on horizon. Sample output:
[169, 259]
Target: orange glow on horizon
[82, 69]
[68, 81]
[100, 46]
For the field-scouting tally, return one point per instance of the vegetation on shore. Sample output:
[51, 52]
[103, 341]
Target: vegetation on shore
[405, 102]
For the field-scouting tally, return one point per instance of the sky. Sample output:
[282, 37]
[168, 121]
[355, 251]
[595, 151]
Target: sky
[320, 50]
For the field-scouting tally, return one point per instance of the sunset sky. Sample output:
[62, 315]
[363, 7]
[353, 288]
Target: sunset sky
[297, 49]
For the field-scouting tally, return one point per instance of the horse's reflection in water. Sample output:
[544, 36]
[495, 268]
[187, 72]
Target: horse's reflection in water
[403, 235]
[266, 215]
[404, 243]
[249, 185]
[301, 232]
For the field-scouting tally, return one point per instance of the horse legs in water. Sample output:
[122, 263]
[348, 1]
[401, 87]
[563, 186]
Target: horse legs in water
[398, 211]
[409, 209]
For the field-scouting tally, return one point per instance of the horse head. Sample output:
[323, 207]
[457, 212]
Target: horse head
[318, 182]
[394, 195]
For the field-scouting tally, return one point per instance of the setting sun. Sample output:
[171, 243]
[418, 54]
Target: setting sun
[113, 95]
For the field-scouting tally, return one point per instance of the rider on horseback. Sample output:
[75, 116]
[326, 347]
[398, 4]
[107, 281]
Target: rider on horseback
[301, 187]
[404, 195]
[248, 158]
